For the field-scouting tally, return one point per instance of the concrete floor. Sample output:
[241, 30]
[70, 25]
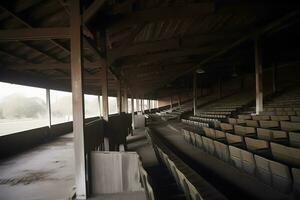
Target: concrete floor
[45, 172]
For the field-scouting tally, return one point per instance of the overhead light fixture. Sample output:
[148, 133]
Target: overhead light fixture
[200, 71]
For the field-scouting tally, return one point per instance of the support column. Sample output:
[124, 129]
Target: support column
[119, 97]
[137, 105]
[125, 101]
[274, 78]
[171, 102]
[100, 105]
[142, 105]
[195, 92]
[78, 100]
[132, 113]
[258, 76]
[179, 100]
[48, 104]
[149, 106]
[105, 103]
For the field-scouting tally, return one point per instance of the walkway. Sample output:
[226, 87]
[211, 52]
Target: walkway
[44, 172]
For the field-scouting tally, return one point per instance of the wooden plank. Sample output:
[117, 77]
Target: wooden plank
[35, 34]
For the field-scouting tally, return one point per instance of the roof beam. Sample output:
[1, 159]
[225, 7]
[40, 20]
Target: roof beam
[92, 10]
[34, 34]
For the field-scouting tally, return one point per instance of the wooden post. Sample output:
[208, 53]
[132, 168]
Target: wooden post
[132, 112]
[48, 104]
[195, 93]
[78, 100]
[125, 101]
[258, 76]
[119, 97]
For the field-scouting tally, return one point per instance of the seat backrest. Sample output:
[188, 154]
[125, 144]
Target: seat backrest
[294, 139]
[233, 139]
[288, 155]
[226, 127]
[209, 132]
[244, 117]
[222, 151]
[296, 183]
[290, 126]
[242, 159]
[255, 145]
[295, 118]
[252, 123]
[232, 121]
[208, 145]
[193, 138]
[194, 194]
[220, 135]
[260, 117]
[244, 131]
[269, 124]
[280, 118]
[273, 173]
[199, 142]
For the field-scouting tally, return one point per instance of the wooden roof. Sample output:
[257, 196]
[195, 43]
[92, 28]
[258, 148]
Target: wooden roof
[147, 44]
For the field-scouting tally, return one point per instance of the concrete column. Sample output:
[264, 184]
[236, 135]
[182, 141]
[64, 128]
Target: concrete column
[132, 113]
[274, 78]
[105, 102]
[48, 104]
[149, 106]
[119, 97]
[142, 105]
[195, 93]
[258, 76]
[78, 100]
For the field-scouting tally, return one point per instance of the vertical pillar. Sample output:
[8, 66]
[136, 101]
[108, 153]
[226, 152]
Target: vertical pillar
[258, 76]
[132, 112]
[179, 100]
[105, 102]
[274, 78]
[119, 97]
[195, 92]
[99, 105]
[137, 105]
[78, 100]
[149, 106]
[48, 104]
[171, 102]
[142, 105]
[125, 101]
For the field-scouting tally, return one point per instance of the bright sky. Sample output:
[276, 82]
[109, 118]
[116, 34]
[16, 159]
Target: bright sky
[8, 89]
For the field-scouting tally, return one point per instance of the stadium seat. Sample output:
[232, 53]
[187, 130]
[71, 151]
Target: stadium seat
[208, 145]
[222, 151]
[294, 139]
[220, 135]
[272, 135]
[252, 123]
[285, 154]
[199, 142]
[295, 118]
[269, 124]
[296, 183]
[235, 140]
[242, 159]
[257, 146]
[244, 130]
[260, 117]
[290, 126]
[244, 117]
[273, 173]
[280, 118]
[226, 127]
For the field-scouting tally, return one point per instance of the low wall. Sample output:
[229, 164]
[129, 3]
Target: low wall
[18, 142]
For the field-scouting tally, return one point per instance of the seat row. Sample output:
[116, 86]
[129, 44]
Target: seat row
[210, 121]
[211, 116]
[146, 183]
[273, 173]
[195, 124]
[285, 136]
[186, 186]
[269, 117]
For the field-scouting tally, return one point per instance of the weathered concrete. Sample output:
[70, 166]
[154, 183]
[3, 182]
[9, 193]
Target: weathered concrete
[45, 172]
